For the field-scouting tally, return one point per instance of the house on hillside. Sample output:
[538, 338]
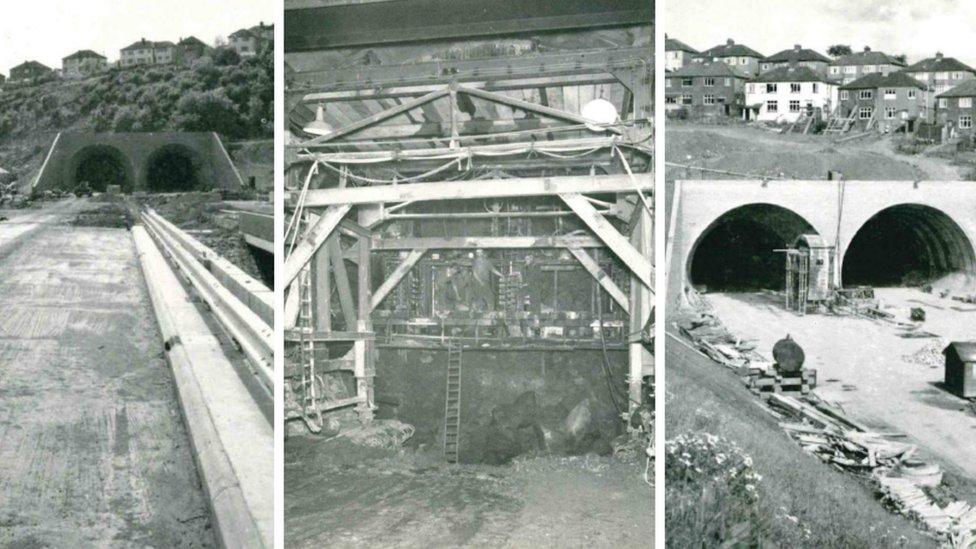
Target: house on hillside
[787, 93]
[2, 79]
[887, 102]
[799, 56]
[248, 42]
[190, 49]
[677, 54]
[147, 52]
[82, 64]
[263, 32]
[848, 68]
[29, 70]
[705, 89]
[941, 73]
[744, 58]
[955, 108]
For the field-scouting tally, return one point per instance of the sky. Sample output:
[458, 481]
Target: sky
[917, 28]
[48, 30]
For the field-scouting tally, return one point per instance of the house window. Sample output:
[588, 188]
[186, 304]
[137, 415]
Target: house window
[750, 88]
[943, 103]
[766, 66]
[941, 76]
[889, 113]
[816, 87]
[865, 94]
[671, 100]
[743, 60]
[772, 106]
[850, 69]
[728, 81]
[864, 113]
[834, 70]
[957, 76]
[912, 93]
[731, 60]
[709, 81]
[687, 82]
[891, 94]
[667, 83]
[844, 95]
[770, 88]
[687, 100]
[965, 102]
[870, 68]
[794, 106]
[923, 76]
[709, 99]
[794, 88]
[965, 122]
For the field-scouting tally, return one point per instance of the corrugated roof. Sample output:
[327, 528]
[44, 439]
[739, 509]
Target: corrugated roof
[867, 57]
[939, 63]
[708, 69]
[965, 349]
[877, 80]
[673, 44]
[731, 49]
[791, 74]
[797, 54]
[966, 89]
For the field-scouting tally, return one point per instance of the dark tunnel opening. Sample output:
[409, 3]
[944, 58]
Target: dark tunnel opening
[738, 251]
[172, 169]
[265, 264]
[907, 245]
[101, 167]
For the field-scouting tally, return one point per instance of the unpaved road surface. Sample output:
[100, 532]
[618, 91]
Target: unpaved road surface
[383, 502]
[860, 365]
[93, 451]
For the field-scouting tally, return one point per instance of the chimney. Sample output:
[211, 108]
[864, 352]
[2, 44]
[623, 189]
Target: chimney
[797, 47]
[867, 49]
[938, 55]
[730, 42]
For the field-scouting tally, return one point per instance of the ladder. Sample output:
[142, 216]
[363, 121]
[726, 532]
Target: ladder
[452, 406]
[311, 412]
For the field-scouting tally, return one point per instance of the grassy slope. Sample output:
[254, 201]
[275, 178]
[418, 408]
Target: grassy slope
[836, 509]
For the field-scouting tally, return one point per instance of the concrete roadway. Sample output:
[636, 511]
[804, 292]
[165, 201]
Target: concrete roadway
[93, 450]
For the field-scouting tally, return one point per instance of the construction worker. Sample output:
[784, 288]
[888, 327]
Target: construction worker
[446, 286]
[482, 288]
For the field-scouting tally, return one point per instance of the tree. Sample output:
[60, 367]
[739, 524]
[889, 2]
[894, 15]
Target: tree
[838, 50]
[902, 57]
[209, 111]
[226, 57]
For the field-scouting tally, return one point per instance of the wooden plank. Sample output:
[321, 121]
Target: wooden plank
[396, 276]
[639, 265]
[605, 281]
[341, 277]
[533, 107]
[313, 240]
[487, 242]
[378, 117]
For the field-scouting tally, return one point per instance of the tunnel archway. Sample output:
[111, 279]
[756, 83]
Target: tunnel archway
[907, 245]
[737, 251]
[173, 168]
[99, 166]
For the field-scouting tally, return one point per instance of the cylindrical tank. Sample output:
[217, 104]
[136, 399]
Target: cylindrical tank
[788, 355]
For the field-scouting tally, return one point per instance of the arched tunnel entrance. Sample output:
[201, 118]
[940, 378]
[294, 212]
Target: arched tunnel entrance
[99, 166]
[737, 251]
[173, 168]
[907, 245]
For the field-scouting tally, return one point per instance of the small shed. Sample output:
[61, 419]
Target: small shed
[960, 368]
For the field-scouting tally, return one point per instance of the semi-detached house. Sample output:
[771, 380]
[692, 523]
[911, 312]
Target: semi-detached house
[705, 89]
[787, 93]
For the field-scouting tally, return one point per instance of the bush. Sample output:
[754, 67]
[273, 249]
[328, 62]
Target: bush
[207, 111]
[226, 57]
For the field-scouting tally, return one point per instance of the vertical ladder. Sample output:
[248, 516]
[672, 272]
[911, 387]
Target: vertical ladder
[452, 407]
[305, 325]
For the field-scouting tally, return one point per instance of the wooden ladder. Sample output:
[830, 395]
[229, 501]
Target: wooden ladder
[311, 412]
[452, 406]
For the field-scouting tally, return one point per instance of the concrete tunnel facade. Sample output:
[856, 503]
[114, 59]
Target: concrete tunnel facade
[835, 210]
[138, 157]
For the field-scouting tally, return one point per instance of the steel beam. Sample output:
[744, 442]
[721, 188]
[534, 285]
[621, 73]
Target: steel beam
[529, 106]
[379, 117]
[487, 242]
[478, 189]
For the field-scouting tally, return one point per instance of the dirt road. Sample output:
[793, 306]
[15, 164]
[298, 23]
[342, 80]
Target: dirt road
[92, 443]
[338, 496]
[861, 365]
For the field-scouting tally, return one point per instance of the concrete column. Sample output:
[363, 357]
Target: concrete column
[641, 303]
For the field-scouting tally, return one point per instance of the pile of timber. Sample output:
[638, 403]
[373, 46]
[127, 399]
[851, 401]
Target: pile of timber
[907, 484]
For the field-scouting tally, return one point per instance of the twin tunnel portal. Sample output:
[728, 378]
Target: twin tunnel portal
[724, 235]
[152, 162]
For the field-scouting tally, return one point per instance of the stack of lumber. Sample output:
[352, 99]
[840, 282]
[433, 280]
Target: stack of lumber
[712, 338]
[955, 522]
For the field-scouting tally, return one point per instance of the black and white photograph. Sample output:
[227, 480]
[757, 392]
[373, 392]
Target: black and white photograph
[468, 273]
[137, 274]
[821, 276]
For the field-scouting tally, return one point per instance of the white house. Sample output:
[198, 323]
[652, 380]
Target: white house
[785, 93]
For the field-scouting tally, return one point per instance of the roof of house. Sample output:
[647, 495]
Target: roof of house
[731, 49]
[797, 54]
[84, 54]
[965, 349]
[877, 80]
[191, 41]
[966, 89]
[241, 33]
[791, 73]
[33, 64]
[673, 44]
[867, 57]
[707, 69]
[939, 63]
[143, 43]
